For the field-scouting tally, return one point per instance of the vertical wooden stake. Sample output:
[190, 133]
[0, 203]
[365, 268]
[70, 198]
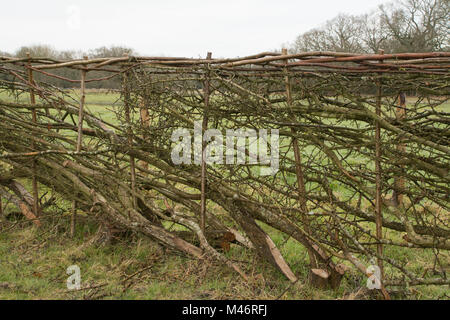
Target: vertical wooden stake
[145, 123]
[130, 137]
[399, 181]
[204, 128]
[81, 109]
[34, 116]
[297, 155]
[379, 185]
[79, 141]
[298, 167]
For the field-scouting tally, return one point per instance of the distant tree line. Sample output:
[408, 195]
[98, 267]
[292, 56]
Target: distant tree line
[400, 26]
[46, 51]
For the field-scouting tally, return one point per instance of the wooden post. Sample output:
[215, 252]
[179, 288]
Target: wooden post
[81, 109]
[79, 141]
[379, 184]
[204, 128]
[130, 137]
[298, 168]
[34, 117]
[399, 181]
[297, 155]
[145, 123]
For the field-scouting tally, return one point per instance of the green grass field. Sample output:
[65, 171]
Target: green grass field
[33, 265]
[33, 261]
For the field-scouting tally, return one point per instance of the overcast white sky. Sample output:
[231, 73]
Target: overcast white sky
[228, 28]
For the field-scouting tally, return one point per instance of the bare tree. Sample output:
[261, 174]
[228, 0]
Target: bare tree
[113, 51]
[372, 35]
[37, 51]
[417, 25]
[340, 34]
[406, 26]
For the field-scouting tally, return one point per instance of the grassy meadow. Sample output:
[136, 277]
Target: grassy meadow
[33, 261]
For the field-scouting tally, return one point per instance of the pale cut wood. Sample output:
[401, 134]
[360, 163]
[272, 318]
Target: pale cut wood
[79, 142]
[34, 117]
[23, 206]
[399, 181]
[203, 169]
